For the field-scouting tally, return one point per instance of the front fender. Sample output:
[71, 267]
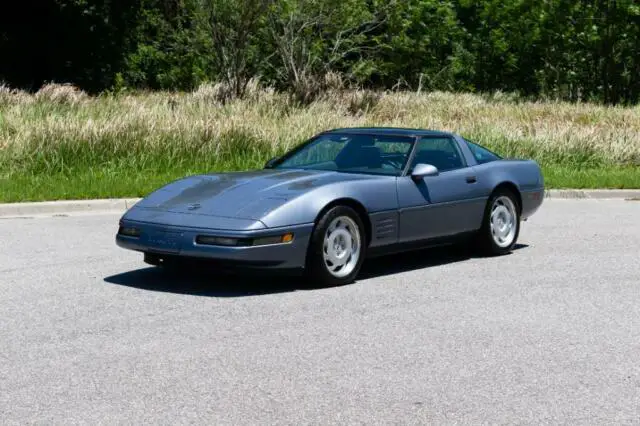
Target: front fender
[376, 195]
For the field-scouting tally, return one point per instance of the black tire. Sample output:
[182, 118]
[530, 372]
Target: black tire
[316, 270]
[166, 264]
[152, 259]
[485, 239]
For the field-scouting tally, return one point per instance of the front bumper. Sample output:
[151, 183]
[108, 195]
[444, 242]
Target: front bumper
[179, 242]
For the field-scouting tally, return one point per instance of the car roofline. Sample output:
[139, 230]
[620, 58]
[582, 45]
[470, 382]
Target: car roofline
[390, 131]
[410, 133]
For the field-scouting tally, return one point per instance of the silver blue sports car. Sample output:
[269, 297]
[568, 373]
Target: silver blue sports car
[336, 199]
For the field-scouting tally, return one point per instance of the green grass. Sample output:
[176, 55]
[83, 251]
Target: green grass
[566, 177]
[84, 185]
[65, 145]
[87, 184]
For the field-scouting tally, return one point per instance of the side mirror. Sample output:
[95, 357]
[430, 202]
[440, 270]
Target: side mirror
[421, 171]
[270, 163]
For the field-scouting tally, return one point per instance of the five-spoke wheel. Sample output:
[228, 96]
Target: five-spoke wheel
[501, 223]
[337, 247]
[341, 248]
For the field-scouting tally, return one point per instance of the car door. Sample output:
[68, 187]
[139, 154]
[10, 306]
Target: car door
[446, 204]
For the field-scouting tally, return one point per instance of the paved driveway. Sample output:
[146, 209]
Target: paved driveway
[550, 333]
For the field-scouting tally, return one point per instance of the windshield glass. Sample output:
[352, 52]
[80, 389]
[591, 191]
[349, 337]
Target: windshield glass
[352, 153]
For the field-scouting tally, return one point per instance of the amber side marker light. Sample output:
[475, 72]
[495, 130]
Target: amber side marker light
[276, 239]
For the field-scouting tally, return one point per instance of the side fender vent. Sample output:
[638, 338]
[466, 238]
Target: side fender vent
[385, 228]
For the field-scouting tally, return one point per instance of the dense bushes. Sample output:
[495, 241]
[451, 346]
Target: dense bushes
[567, 49]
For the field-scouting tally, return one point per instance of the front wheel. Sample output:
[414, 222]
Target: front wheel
[501, 223]
[337, 248]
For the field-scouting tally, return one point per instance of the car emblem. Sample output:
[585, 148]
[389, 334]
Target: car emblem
[193, 206]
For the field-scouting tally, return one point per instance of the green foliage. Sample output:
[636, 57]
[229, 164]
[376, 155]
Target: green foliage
[312, 40]
[573, 50]
[419, 44]
[167, 47]
[235, 29]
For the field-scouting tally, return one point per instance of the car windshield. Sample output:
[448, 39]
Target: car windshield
[352, 153]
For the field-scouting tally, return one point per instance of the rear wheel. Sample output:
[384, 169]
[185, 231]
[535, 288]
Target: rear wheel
[337, 248]
[501, 223]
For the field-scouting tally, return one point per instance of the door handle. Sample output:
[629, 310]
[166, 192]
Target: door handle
[471, 179]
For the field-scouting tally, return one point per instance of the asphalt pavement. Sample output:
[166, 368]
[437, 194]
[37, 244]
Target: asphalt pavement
[548, 334]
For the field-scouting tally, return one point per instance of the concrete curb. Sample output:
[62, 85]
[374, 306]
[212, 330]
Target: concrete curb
[66, 207]
[53, 208]
[597, 194]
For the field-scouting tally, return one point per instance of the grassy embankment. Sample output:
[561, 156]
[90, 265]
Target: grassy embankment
[61, 144]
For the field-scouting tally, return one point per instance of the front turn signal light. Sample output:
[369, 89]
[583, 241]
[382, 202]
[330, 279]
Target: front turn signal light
[287, 238]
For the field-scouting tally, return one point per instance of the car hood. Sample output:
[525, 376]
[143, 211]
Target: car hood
[245, 195]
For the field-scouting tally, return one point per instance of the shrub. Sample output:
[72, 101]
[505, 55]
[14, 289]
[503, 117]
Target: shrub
[63, 94]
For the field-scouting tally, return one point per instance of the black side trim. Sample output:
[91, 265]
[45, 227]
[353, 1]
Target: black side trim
[418, 245]
[443, 204]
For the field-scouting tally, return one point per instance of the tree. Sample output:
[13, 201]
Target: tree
[314, 37]
[566, 49]
[234, 26]
[420, 43]
[168, 47]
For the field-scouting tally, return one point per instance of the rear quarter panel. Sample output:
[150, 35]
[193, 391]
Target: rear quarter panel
[525, 175]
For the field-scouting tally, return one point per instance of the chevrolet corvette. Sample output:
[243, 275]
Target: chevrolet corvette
[341, 197]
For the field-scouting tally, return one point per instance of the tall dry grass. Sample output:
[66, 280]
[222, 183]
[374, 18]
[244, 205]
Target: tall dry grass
[60, 129]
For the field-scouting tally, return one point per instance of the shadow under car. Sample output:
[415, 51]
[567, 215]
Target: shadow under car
[209, 281]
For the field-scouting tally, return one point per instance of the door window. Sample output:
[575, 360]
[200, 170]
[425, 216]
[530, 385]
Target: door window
[441, 152]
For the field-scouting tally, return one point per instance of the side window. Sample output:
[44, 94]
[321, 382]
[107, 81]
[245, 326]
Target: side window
[441, 152]
[482, 154]
[394, 152]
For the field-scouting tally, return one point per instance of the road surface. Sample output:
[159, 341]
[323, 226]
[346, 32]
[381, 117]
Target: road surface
[549, 334]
